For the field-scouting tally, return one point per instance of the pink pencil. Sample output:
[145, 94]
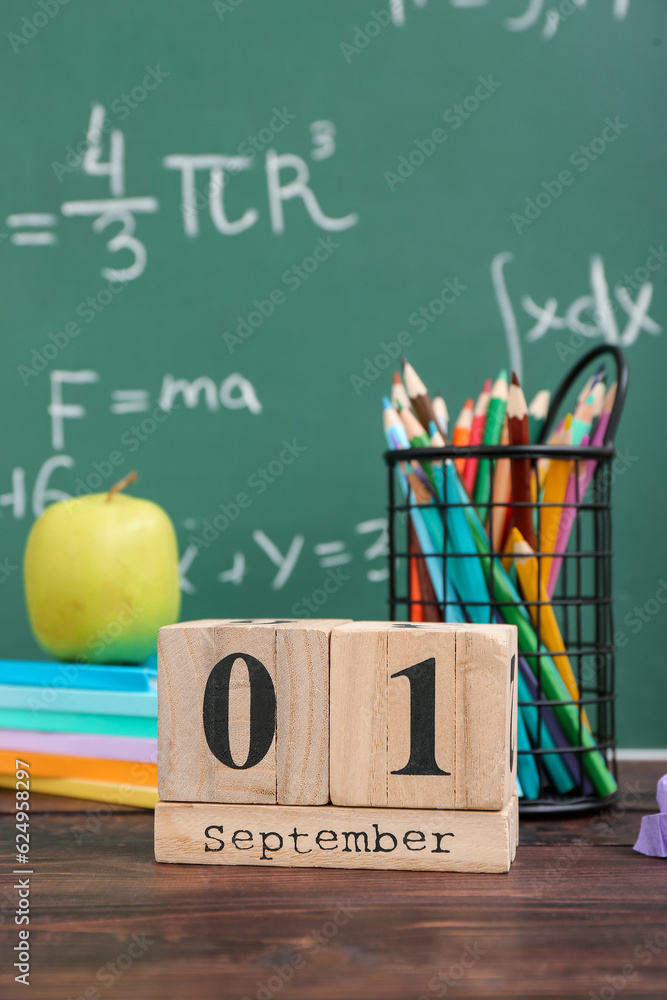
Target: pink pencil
[569, 514]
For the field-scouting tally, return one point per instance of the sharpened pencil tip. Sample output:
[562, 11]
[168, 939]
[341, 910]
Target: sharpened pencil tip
[515, 379]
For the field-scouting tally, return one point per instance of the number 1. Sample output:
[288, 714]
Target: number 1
[422, 719]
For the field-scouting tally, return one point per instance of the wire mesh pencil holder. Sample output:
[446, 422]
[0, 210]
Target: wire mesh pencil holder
[579, 600]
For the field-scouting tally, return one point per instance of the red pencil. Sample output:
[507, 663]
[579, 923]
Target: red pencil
[416, 608]
[476, 435]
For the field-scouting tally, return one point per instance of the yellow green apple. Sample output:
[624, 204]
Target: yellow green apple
[101, 577]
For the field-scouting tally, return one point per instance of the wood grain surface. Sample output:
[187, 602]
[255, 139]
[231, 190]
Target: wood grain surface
[576, 907]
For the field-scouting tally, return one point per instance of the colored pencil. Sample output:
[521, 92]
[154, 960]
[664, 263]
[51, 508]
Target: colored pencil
[596, 377]
[585, 391]
[461, 433]
[397, 437]
[573, 761]
[418, 438]
[418, 393]
[392, 420]
[428, 525]
[464, 563]
[537, 413]
[416, 432]
[501, 494]
[476, 435]
[598, 392]
[414, 589]
[539, 736]
[436, 438]
[493, 428]
[430, 608]
[518, 427]
[441, 414]
[399, 396]
[526, 767]
[555, 488]
[582, 418]
[542, 613]
[570, 513]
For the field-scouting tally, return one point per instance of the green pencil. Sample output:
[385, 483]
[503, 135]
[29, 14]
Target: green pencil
[493, 428]
[537, 413]
[418, 439]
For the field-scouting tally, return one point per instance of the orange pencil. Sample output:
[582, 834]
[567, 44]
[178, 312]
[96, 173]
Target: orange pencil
[461, 432]
[476, 435]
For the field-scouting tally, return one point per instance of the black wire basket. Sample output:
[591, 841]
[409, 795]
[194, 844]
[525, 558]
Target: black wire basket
[581, 601]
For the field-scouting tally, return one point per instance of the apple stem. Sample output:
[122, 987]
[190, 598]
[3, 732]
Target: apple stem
[131, 477]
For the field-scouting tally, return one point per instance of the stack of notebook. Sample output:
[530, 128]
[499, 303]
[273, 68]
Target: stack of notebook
[86, 731]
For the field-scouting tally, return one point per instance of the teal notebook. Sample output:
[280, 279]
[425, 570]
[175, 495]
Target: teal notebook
[71, 722]
[78, 700]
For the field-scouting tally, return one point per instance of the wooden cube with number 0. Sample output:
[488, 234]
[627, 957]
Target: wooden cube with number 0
[243, 711]
[423, 715]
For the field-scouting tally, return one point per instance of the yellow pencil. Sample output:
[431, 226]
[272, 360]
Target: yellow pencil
[555, 488]
[543, 614]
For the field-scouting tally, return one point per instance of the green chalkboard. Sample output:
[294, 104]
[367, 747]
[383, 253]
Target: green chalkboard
[468, 178]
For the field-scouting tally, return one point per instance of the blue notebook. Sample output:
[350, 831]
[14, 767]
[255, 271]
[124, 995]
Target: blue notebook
[84, 700]
[101, 677]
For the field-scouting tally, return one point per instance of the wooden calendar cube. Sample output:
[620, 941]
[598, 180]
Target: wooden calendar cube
[458, 840]
[423, 715]
[243, 711]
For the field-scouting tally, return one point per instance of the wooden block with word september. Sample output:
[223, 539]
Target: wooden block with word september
[423, 715]
[336, 837]
[243, 711]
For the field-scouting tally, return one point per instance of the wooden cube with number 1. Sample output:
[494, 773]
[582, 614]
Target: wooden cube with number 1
[423, 715]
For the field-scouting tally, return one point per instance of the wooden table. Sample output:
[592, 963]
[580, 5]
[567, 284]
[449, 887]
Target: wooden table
[577, 907]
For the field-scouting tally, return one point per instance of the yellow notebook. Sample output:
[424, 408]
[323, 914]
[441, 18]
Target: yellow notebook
[97, 791]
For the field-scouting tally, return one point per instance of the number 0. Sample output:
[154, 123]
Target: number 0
[262, 710]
